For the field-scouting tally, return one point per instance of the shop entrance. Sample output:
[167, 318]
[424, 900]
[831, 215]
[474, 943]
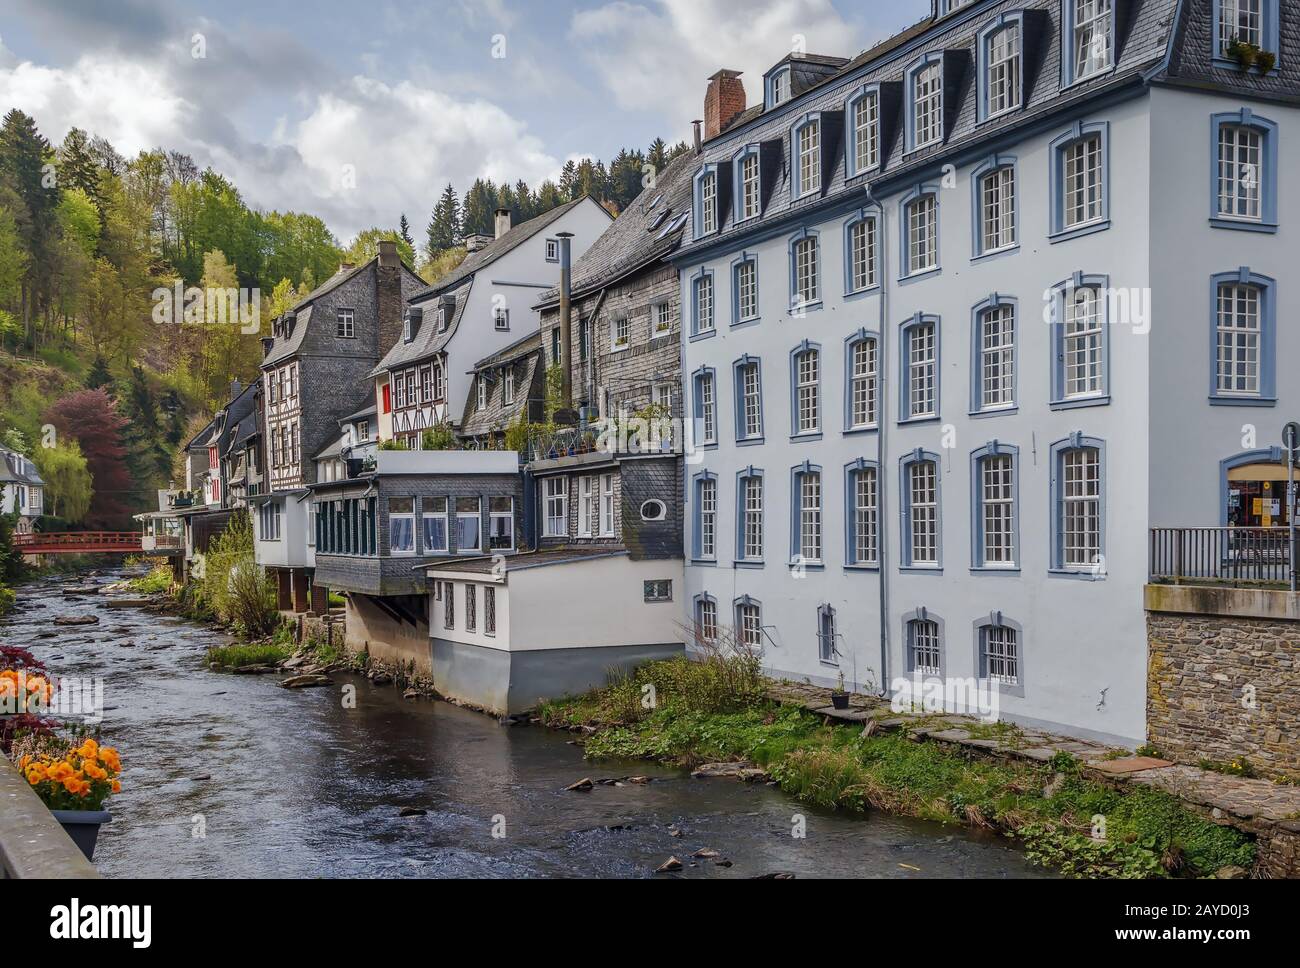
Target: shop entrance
[1257, 496]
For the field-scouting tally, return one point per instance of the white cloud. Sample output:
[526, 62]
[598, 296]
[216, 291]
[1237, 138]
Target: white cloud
[404, 142]
[658, 56]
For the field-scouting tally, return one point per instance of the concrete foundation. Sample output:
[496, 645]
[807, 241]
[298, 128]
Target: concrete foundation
[393, 642]
[506, 683]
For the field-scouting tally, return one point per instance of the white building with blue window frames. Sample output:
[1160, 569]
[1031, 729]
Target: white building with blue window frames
[951, 310]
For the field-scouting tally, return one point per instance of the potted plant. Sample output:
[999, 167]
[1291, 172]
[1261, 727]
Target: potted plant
[1265, 60]
[840, 695]
[1243, 52]
[73, 781]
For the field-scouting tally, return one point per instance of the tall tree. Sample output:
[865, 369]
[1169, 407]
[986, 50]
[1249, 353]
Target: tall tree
[444, 225]
[90, 418]
[404, 229]
[23, 157]
[68, 482]
[366, 246]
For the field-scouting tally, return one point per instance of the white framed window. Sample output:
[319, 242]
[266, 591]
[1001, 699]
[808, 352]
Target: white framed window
[750, 622]
[997, 505]
[345, 324]
[704, 304]
[866, 522]
[706, 407]
[752, 518]
[434, 525]
[469, 523]
[552, 250]
[663, 318]
[708, 518]
[489, 610]
[620, 333]
[501, 318]
[746, 290]
[927, 105]
[998, 210]
[587, 523]
[508, 385]
[1238, 338]
[401, 525]
[1242, 21]
[1000, 654]
[1003, 79]
[482, 391]
[1082, 342]
[1084, 184]
[751, 400]
[923, 512]
[439, 380]
[826, 649]
[556, 498]
[807, 368]
[922, 370]
[810, 516]
[997, 357]
[501, 524]
[806, 290]
[657, 590]
[706, 619]
[606, 505]
[862, 254]
[750, 186]
[779, 88]
[810, 157]
[709, 203]
[923, 646]
[863, 383]
[923, 234]
[866, 132]
[1241, 160]
[448, 605]
[1080, 510]
[1092, 45]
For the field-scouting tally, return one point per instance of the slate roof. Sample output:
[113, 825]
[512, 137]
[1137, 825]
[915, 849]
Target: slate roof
[524, 357]
[17, 469]
[494, 250]
[1143, 41]
[634, 239]
[1192, 62]
[428, 341]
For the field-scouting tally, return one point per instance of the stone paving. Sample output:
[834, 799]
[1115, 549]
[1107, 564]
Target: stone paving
[1256, 805]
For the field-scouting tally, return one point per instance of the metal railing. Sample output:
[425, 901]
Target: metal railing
[1196, 555]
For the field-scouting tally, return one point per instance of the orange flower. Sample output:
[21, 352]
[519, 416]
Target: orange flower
[72, 784]
[35, 775]
[117, 787]
[89, 749]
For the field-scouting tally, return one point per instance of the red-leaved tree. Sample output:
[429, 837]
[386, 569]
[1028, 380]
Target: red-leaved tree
[91, 418]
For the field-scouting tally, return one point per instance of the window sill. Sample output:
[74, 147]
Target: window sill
[806, 437]
[1078, 231]
[704, 562]
[929, 418]
[1013, 570]
[620, 349]
[864, 569]
[803, 309]
[921, 569]
[1227, 401]
[749, 441]
[993, 412]
[1094, 75]
[749, 563]
[919, 275]
[1102, 400]
[861, 293]
[995, 253]
[737, 323]
[855, 431]
[707, 334]
[1242, 225]
[707, 445]
[1075, 575]
[806, 565]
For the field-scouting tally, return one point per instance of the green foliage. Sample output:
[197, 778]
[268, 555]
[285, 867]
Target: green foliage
[393, 444]
[250, 654]
[439, 437]
[1079, 855]
[554, 390]
[7, 600]
[159, 579]
[1238, 767]
[234, 586]
[366, 246]
[68, 483]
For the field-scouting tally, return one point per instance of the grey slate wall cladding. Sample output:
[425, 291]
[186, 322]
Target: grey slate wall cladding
[1193, 62]
[529, 400]
[652, 479]
[386, 575]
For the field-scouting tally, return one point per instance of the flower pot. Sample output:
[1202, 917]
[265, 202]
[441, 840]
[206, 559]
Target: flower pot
[83, 827]
[840, 700]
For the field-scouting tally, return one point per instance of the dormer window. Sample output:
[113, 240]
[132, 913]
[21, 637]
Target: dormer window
[706, 201]
[482, 391]
[1244, 22]
[808, 157]
[778, 87]
[407, 331]
[552, 250]
[748, 181]
[948, 6]
[1090, 38]
[346, 325]
[925, 102]
[863, 114]
[1001, 68]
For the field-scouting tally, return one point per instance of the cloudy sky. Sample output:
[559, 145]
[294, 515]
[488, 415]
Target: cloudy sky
[358, 111]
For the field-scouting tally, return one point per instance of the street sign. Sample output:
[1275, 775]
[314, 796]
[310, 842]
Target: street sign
[1291, 437]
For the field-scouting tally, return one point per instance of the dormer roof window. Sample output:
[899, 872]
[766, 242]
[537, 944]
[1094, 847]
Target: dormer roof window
[778, 86]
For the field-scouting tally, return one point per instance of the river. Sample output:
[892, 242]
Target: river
[232, 776]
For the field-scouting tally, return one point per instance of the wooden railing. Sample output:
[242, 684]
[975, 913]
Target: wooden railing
[1195, 555]
[85, 542]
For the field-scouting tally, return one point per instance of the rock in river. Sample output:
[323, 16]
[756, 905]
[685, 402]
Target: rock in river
[582, 785]
[668, 866]
[76, 620]
[306, 682]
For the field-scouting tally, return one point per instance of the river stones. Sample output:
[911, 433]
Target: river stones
[76, 620]
[669, 866]
[412, 812]
[306, 682]
[582, 786]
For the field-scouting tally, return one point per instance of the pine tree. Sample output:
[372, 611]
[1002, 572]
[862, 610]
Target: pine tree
[569, 181]
[23, 153]
[404, 229]
[479, 215]
[444, 225]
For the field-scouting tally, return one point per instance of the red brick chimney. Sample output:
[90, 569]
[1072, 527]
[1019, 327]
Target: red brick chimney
[724, 100]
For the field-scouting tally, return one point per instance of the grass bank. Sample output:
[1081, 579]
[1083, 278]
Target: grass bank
[715, 710]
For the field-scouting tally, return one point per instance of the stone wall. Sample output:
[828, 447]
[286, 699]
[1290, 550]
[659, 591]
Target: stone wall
[1223, 677]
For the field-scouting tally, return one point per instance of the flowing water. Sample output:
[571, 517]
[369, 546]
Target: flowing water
[232, 776]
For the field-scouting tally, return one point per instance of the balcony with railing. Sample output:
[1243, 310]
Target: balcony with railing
[1233, 556]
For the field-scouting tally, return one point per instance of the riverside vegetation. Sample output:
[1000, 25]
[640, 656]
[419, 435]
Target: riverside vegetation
[716, 710]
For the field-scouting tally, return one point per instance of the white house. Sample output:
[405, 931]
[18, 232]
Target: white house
[22, 491]
[966, 317]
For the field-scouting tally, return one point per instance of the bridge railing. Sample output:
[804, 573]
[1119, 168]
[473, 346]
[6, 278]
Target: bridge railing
[80, 540]
[1213, 555]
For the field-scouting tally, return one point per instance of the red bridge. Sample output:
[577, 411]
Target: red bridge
[77, 542]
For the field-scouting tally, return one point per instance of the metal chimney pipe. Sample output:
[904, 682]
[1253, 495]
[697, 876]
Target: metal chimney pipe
[566, 415]
[699, 145]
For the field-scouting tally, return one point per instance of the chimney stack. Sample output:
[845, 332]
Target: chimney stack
[236, 388]
[388, 254]
[566, 415]
[724, 99]
[699, 141]
[502, 221]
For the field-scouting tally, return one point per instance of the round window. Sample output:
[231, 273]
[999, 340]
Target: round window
[653, 511]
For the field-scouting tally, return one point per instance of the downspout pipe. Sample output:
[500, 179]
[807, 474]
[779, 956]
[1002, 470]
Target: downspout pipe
[882, 381]
[566, 415]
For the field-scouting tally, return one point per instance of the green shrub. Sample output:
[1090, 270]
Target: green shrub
[7, 600]
[240, 655]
